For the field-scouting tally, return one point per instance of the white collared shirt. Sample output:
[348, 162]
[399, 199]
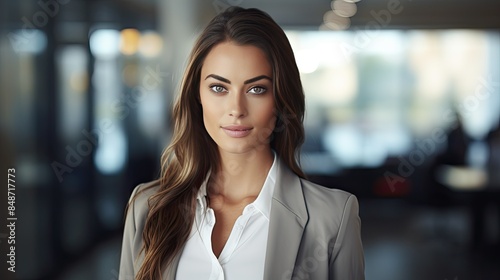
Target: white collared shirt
[243, 255]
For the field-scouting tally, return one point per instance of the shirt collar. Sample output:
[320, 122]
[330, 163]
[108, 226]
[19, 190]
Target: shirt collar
[265, 197]
[263, 201]
[202, 193]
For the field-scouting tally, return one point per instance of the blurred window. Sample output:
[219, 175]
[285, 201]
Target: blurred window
[374, 95]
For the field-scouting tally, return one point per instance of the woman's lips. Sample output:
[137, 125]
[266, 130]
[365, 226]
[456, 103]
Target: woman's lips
[237, 131]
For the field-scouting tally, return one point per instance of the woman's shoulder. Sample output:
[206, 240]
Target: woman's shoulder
[322, 198]
[138, 201]
[319, 190]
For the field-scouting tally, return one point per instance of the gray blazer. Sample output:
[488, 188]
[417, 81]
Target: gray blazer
[314, 233]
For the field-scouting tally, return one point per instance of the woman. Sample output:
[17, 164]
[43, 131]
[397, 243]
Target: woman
[232, 201]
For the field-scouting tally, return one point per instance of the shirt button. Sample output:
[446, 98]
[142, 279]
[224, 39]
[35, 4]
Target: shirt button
[250, 207]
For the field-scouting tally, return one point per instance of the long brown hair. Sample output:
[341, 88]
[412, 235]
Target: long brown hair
[192, 153]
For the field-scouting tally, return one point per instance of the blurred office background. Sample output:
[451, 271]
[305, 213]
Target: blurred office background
[403, 110]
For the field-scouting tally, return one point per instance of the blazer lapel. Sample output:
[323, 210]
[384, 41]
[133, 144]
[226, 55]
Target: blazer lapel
[287, 222]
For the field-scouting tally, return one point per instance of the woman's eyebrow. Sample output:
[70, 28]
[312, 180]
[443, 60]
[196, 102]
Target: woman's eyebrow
[222, 79]
[257, 78]
[217, 77]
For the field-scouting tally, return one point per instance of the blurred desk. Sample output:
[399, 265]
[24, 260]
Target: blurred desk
[479, 188]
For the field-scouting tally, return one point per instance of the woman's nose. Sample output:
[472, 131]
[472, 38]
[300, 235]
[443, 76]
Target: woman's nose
[236, 105]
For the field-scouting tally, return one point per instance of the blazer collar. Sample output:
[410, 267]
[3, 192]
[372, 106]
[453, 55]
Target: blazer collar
[287, 222]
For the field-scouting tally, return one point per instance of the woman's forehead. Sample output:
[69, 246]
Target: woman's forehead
[239, 62]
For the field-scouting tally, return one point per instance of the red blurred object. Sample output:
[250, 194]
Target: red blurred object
[385, 188]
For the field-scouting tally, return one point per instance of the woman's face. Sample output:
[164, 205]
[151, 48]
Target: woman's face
[236, 93]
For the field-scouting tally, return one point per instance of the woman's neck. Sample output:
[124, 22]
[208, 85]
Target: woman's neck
[241, 176]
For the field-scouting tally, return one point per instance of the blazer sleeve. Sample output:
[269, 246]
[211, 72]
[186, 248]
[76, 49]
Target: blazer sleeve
[129, 244]
[347, 260]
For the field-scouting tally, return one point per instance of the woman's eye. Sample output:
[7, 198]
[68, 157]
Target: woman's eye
[217, 89]
[257, 90]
